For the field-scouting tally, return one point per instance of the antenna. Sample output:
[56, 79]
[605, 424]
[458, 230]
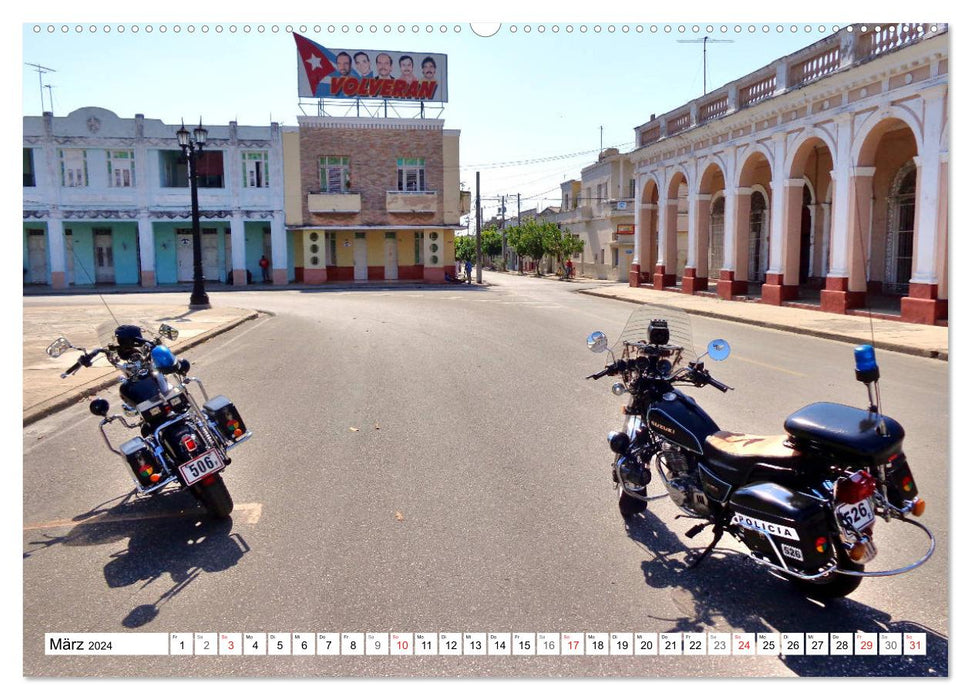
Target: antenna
[40, 79]
[704, 56]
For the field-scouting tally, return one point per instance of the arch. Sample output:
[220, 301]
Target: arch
[675, 175]
[797, 154]
[650, 189]
[708, 169]
[749, 155]
[864, 147]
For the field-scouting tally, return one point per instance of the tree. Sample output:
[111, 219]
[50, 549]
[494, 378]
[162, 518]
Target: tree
[491, 242]
[565, 245]
[465, 248]
[532, 239]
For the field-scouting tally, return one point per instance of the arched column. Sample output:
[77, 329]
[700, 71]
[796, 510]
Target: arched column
[278, 248]
[782, 279]
[846, 283]
[695, 278]
[921, 303]
[733, 277]
[665, 273]
[55, 248]
[237, 235]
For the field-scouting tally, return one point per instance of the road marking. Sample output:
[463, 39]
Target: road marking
[768, 366]
[245, 513]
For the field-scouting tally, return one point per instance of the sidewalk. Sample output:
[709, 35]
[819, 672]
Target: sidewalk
[44, 392]
[910, 338]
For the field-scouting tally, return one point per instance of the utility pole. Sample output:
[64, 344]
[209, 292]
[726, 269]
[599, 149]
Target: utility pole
[704, 57]
[50, 93]
[478, 229]
[502, 227]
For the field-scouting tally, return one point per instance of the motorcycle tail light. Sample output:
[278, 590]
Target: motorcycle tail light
[189, 443]
[855, 488]
[858, 551]
[918, 508]
[821, 544]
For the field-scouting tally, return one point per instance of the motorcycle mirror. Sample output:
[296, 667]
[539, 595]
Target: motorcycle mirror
[99, 407]
[597, 341]
[618, 389]
[719, 350]
[166, 331]
[57, 348]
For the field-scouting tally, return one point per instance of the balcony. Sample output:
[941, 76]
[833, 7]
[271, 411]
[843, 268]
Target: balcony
[411, 202]
[334, 203]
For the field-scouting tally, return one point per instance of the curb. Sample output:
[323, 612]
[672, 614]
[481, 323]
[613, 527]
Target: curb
[44, 409]
[881, 345]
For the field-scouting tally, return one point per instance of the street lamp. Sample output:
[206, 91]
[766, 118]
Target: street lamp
[191, 150]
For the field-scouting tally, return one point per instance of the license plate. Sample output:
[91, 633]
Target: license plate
[205, 464]
[859, 514]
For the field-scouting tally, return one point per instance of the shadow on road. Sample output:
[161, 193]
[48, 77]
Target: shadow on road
[168, 535]
[727, 587]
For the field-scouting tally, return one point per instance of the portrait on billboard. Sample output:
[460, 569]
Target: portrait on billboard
[365, 74]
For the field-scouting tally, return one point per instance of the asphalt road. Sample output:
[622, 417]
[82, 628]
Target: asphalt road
[433, 461]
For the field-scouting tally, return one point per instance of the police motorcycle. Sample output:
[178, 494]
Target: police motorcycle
[804, 503]
[179, 443]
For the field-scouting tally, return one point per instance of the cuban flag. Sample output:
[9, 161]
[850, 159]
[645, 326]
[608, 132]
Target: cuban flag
[316, 66]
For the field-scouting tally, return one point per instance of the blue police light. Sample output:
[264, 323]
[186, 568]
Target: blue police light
[163, 357]
[866, 363]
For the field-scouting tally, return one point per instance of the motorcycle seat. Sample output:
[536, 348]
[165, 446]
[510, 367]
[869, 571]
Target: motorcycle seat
[739, 457]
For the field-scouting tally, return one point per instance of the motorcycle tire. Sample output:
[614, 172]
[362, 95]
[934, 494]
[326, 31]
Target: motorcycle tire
[834, 586]
[215, 498]
[630, 506]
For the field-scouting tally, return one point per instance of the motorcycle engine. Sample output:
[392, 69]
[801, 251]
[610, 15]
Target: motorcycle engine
[680, 476]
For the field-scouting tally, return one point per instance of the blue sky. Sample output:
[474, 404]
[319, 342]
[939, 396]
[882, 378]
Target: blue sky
[533, 91]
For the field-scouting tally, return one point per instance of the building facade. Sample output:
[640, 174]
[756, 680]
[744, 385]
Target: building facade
[599, 209]
[373, 198]
[106, 200]
[821, 178]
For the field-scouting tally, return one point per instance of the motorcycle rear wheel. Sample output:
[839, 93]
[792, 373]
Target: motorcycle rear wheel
[215, 498]
[833, 586]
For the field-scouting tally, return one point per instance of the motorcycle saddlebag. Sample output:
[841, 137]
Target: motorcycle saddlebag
[142, 461]
[796, 523]
[223, 413]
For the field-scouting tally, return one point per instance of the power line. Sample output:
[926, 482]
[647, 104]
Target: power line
[544, 159]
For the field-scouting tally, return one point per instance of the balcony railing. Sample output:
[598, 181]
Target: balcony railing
[837, 52]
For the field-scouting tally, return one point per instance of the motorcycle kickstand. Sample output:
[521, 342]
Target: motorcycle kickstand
[718, 531]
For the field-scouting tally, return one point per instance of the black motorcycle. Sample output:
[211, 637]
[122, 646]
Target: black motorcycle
[804, 503]
[179, 444]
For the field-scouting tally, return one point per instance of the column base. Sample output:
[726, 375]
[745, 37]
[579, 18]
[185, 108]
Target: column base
[634, 276]
[728, 286]
[775, 292]
[148, 278]
[921, 304]
[663, 279]
[58, 280]
[837, 298]
[691, 284]
[279, 276]
[239, 278]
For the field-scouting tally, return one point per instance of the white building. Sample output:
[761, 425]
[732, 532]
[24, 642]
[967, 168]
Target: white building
[107, 201]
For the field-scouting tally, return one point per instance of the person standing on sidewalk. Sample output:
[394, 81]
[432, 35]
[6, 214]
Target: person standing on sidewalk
[265, 268]
[569, 269]
[468, 271]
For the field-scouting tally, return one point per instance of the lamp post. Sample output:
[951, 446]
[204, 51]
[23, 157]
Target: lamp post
[191, 150]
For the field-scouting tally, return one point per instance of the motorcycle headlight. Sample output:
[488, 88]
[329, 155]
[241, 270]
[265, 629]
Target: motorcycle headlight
[619, 442]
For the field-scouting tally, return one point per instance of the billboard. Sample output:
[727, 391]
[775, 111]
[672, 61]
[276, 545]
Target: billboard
[368, 74]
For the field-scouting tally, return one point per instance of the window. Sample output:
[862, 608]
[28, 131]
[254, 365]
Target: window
[632, 191]
[335, 174]
[411, 174]
[255, 173]
[121, 168]
[74, 168]
[29, 179]
[566, 201]
[209, 167]
[173, 169]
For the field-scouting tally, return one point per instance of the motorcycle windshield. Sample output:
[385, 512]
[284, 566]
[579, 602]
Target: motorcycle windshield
[679, 329]
[106, 330]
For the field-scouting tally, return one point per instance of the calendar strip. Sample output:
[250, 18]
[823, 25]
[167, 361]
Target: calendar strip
[514, 644]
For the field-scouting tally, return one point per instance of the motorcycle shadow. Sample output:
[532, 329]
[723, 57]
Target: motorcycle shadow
[167, 535]
[726, 591]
